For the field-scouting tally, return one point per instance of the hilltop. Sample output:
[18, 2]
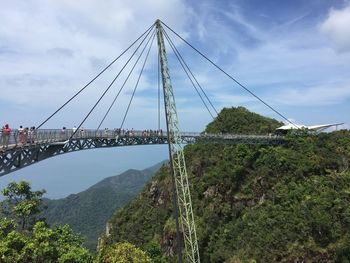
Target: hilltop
[241, 121]
[87, 212]
[285, 203]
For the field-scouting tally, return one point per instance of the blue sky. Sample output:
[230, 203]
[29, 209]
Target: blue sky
[293, 54]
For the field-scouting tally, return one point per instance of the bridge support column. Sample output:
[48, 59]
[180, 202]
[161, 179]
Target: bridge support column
[178, 165]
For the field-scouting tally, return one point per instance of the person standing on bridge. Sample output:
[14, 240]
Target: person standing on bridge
[20, 134]
[5, 135]
[63, 133]
[82, 132]
[32, 134]
[25, 135]
[74, 129]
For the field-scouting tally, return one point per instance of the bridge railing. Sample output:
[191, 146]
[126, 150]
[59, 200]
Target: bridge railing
[240, 136]
[28, 137]
[41, 136]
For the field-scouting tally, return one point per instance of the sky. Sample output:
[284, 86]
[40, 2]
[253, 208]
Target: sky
[294, 54]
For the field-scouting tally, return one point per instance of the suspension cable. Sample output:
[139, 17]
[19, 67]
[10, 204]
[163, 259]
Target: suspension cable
[136, 85]
[228, 75]
[189, 70]
[186, 71]
[127, 78]
[158, 79]
[99, 74]
[109, 86]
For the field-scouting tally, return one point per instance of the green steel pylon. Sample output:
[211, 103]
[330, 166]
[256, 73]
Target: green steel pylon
[177, 157]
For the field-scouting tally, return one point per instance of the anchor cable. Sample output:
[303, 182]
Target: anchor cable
[136, 85]
[228, 75]
[127, 78]
[99, 74]
[178, 52]
[109, 86]
[158, 77]
[186, 71]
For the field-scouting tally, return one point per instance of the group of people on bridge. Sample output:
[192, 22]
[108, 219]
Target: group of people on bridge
[81, 133]
[143, 133]
[24, 135]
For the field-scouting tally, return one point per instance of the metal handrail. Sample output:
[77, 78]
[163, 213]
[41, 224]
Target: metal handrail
[41, 136]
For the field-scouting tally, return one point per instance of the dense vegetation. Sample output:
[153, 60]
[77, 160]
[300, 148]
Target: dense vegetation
[87, 212]
[286, 203]
[241, 121]
[122, 253]
[24, 237]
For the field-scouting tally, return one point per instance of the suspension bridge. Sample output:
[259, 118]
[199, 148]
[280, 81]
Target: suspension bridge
[26, 149]
[21, 148]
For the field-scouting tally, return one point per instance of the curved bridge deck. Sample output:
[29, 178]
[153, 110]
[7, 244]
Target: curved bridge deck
[19, 150]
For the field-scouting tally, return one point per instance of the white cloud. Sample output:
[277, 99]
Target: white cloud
[336, 28]
[321, 95]
[233, 100]
[50, 49]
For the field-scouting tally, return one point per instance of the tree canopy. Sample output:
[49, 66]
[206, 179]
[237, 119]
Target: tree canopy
[25, 238]
[241, 121]
[123, 252]
[22, 204]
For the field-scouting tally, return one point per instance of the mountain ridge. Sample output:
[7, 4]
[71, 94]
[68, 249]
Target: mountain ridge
[87, 211]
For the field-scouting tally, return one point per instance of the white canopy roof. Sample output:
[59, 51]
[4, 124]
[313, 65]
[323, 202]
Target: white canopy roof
[290, 126]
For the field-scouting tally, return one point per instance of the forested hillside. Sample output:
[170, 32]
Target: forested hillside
[87, 212]
[25, 236]
[241, 121]
[286, 203]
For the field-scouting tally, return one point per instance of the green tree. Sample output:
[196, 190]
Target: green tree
[121, 253]
[12, 242]
[154, 251]
[38, 243]
[59, 244]
[22, 203]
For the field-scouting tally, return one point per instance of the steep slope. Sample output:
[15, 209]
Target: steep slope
[286, 203]
[88, 211]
